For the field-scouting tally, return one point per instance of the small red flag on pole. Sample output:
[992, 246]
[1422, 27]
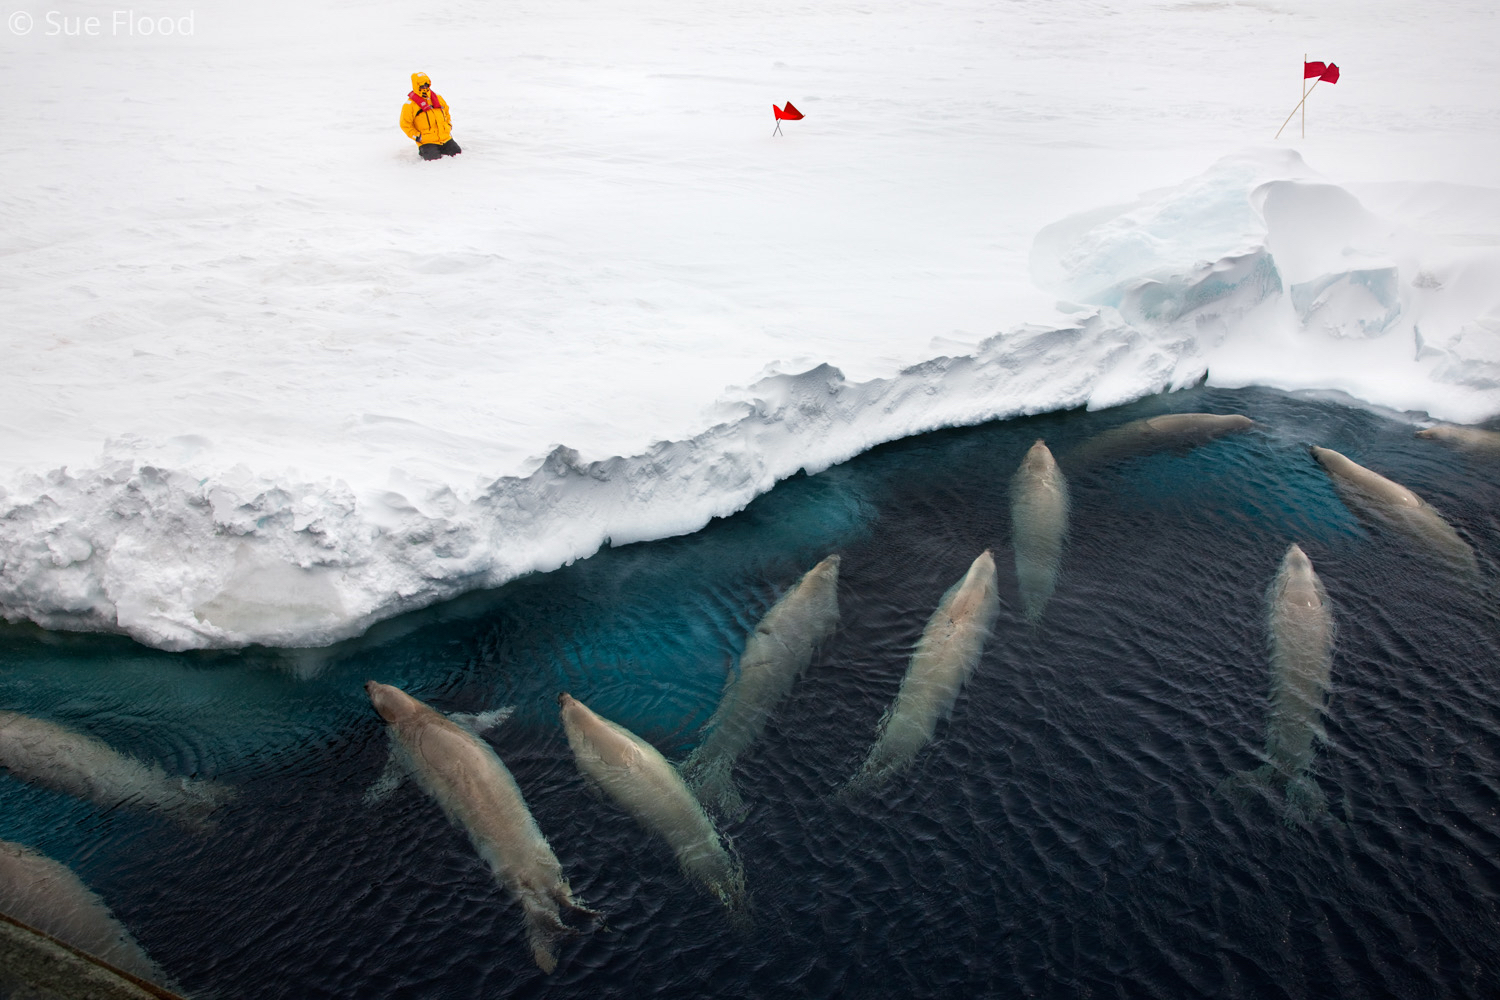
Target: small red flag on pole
[787, 114]
[1328, 73]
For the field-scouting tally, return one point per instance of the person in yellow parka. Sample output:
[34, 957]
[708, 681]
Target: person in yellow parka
[426, 118]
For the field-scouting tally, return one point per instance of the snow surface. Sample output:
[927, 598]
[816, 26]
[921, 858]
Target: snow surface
[269, 378]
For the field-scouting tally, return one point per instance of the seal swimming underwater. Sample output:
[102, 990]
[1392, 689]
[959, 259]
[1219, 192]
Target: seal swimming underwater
[638, 778]
[1475, 439]
[1391, 503]
[1300, 624]
[1170, 430]
[48, 897]
[466, 778]
[1039, 523]
[944, 658]
[48, 754]
[776, 654]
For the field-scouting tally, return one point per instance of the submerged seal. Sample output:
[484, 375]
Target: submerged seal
[476, 791]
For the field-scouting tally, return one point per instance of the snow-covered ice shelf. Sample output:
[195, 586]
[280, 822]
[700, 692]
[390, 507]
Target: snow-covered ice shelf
[268, 378]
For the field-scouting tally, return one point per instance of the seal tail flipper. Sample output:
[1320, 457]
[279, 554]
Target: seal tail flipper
[877, 769]
[544, 928]
[713, 783]
[569, 907]
[542, 951]
[388, 782]
[1301, 798]
[730, 891]
[1305, 800]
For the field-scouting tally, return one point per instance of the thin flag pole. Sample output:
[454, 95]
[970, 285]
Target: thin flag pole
[1299, 105]
[1303, 88]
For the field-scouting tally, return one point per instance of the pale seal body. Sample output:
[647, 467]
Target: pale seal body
[776, 654]
[1170, 430]
[1300, 625]
[1390, 502]
[46, 895]
[466, 778]
[1473, 439]
[46, 753]
[637, 777]
[1301, 629]
[944, 658]
[1039, 524]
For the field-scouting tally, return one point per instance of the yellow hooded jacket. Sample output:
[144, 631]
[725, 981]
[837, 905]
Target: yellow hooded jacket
[435, 125]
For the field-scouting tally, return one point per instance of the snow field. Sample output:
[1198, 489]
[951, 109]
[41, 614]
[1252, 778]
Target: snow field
[270, 378]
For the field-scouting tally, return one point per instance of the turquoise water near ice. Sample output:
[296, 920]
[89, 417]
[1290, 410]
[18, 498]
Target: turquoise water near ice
[1061, 835]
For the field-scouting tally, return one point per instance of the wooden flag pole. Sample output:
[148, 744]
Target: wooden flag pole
[1299, 105]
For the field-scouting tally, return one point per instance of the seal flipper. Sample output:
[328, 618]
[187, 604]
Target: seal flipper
[1238, 786]
[389, 780]
[480, 723]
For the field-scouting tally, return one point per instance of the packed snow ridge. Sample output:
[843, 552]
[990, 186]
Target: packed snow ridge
[1256, 272]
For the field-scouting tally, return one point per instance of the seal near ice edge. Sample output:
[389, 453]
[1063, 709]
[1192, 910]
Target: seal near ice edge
[776, 654]
[1393, 504]
[637, 777]
[1170, 430]
[1472, 439]
[47, 897]
[1039, 524]
[1301, 629]
[944, 658]
[46, 753]
[467, 779]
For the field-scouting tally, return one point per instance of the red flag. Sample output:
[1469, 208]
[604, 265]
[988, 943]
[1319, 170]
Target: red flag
[791, 114]
[1330, 75]
[1312, 69]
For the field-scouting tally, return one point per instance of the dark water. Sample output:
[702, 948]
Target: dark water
[1061, 837]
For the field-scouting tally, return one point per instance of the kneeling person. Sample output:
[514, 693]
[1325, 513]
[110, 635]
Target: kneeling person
[426, 118]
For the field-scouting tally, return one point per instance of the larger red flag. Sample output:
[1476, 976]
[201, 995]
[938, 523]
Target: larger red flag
[1312, 69]
[791, 114]
[1329, 75]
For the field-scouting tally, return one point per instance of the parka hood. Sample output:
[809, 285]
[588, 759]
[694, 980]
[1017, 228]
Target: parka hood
[417, 79]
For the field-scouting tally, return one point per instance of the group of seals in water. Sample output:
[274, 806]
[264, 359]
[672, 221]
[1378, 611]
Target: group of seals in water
[467, 779]
[56, 924]
[45, 906]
